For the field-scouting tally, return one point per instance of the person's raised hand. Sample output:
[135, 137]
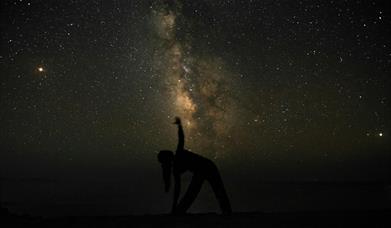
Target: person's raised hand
[177, 121]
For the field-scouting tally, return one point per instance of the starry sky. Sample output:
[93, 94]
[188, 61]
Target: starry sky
[271, 90]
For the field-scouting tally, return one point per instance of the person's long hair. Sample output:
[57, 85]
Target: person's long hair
[166, 158]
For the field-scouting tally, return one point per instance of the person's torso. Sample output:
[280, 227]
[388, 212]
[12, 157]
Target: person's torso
[188, 161]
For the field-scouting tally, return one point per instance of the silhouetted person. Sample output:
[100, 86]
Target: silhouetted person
[202, 169]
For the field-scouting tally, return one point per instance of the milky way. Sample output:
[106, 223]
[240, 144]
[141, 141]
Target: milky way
[198, 88]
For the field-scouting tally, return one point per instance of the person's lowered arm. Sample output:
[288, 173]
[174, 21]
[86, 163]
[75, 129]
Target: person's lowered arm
[177, 189]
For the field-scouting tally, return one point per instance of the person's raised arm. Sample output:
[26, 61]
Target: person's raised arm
[181, 135]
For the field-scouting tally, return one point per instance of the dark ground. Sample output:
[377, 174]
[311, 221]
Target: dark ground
[256, 219]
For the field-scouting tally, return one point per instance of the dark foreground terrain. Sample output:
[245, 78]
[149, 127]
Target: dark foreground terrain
[298, 219]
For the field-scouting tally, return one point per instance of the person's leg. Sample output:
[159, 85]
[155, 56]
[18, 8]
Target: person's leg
[219, 190]
[191, 193]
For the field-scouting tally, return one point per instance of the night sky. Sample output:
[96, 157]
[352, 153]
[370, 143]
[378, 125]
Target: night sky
[271, 90]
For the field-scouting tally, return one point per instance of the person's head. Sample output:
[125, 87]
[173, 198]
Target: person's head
[166, 159]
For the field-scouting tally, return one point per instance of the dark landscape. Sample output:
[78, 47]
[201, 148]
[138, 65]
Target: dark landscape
[341, 219]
